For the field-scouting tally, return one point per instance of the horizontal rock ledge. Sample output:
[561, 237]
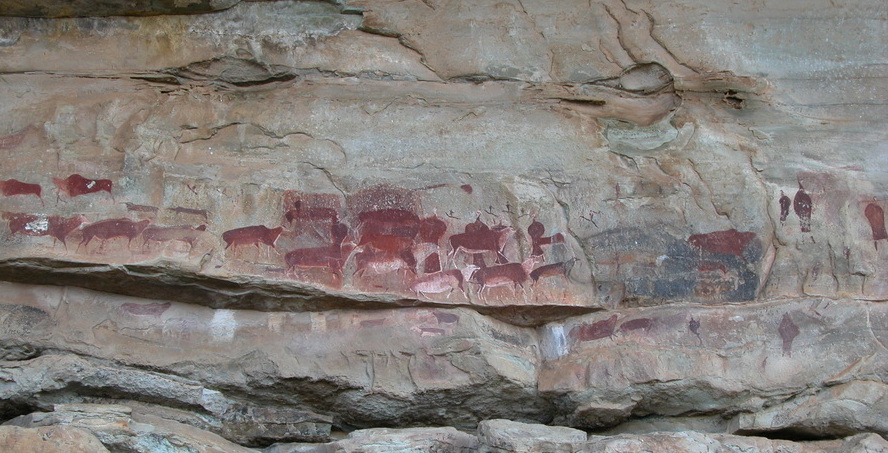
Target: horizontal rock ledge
[159, 281]
[749, 365]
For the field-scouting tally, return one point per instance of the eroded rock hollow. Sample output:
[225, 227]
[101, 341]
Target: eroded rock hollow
[504, 226]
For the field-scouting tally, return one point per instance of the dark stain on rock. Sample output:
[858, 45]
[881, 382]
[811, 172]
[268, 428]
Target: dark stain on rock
[875, 215]
[21, 320]
[467, 188]
[372, 322]
[788, 330]
[727, 242]
[145, 309]
[803, 205]
[596, 330]
[784, 206]
[694, 327]
[446, 317]
[637, 324]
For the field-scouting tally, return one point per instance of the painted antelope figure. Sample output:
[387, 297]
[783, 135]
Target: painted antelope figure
[514, 274]
[183, 233]
[331, 257]
[27, 224]
[61, 227]
[76, 185]
[252, 235]
[379, 262]
[113, 228]
[482, 240]
[562, 268]
[200, 212]
[12, 187]
[439, 282]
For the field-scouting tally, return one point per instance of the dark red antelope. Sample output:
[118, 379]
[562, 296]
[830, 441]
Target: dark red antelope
[61, 227]
[27, 224]
[12, 187]
[514, 274]
[113, 228]
[379, 262]
[482, 240]
[76, 185]
[439, 282]
[252, 235]
[562, 268]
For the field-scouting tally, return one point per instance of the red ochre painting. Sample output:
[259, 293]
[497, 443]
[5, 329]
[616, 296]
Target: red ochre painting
[382, 239]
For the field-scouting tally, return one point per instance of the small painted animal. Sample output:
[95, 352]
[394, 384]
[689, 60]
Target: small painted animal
[180, 210]
[382, 262]
[442, 281]
[596, 330]
[12, 187]
[562, 268]
[514, 274]
[139, 207]
[76, 185]
[482, 240]
[183, 233]
[113, 228]
[252, 235]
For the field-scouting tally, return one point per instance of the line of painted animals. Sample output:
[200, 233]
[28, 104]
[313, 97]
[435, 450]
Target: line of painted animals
[73, 186]
[60, 228]
[398, 242]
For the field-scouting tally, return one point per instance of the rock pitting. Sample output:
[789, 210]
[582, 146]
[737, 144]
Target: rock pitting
[304, 226]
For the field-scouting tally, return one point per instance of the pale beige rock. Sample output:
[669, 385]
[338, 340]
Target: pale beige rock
[677, 361]
[386, 362]
[841, 410]
[48, 439]
[114, 427]
[510, 436]
[709, 174]
[691, 442]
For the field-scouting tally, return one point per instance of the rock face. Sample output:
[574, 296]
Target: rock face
[443, 226]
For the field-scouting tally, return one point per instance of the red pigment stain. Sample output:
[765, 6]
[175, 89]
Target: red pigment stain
[727, 242]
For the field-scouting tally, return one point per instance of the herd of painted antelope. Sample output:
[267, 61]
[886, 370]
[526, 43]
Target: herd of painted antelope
[381, 241]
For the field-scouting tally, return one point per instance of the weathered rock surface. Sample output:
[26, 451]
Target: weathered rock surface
[52, 439]
[379, 225]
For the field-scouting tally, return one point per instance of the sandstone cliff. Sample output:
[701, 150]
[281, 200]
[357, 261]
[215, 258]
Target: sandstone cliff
[436, 225]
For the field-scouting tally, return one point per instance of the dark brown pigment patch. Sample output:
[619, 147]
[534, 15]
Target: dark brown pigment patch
[788, 330]
[596, 330]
